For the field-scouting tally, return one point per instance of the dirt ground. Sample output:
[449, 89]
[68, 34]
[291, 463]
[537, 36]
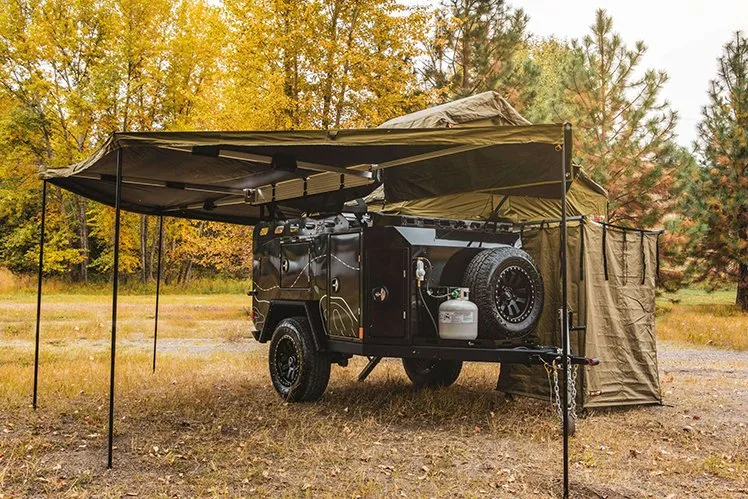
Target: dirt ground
[207, 422]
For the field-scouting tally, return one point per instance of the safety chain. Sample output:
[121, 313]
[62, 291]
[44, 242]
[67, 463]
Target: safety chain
[552, 372]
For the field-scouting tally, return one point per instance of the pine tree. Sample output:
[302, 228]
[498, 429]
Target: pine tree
[623, 132]
[542, 63]
[473, 50]
[717, 201]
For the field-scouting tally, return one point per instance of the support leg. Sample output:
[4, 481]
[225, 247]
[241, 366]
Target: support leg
[39, 292]
[115, 284]
[373, 362]
[158, 285]
[565, 163]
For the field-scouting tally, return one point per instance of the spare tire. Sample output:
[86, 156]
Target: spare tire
[508, 289]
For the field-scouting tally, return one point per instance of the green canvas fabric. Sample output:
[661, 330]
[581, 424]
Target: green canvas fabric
[618, 313]
[412, 163]
[584, 196]
[621, 319]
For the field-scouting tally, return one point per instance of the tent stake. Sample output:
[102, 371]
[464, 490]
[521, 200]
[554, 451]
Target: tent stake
[158, 284]
[39, 291]
[115, 282]
[566, 158]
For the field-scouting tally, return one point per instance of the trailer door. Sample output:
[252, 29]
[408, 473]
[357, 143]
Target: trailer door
[387, 296]
[294, 265]
[343, 307]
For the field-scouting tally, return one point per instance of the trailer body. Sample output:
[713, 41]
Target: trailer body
[353, 279]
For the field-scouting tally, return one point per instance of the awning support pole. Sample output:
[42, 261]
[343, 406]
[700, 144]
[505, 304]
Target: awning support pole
[566, 153]
[115, 283]
[39, 291]
[158, 284]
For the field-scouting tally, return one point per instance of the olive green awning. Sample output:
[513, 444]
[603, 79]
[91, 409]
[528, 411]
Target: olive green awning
[244, 177]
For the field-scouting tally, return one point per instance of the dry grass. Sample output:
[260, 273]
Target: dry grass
[208, 423]
[702, 318]
[26, 284]
[88, 317]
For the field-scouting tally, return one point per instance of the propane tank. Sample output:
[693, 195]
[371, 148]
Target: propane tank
[458, 316]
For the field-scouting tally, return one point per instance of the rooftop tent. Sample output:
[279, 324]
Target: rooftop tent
[585, 197]
[487, 108]
[245, 177]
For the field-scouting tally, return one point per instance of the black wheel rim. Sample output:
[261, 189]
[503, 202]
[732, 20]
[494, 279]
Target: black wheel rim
[424, 366]
[514, 294]
[287, 362]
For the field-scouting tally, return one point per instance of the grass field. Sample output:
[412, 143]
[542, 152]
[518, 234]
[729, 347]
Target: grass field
[208, 422]
[701, 318]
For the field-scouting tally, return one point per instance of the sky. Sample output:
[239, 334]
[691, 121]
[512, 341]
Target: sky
[684, 38]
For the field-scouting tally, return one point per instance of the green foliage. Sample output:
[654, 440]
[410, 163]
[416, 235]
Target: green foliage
[550, 59]
[717, 199]
[623, 131]
[71, 72]
[473, 49]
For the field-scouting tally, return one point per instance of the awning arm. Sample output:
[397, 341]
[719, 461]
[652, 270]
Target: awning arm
[285, 189]
[185, 186]
[267, 160]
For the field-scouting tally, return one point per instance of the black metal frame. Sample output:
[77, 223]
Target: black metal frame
[565, 161]
[158, 285]
[115, 293]
[539, 356]
[39, 292]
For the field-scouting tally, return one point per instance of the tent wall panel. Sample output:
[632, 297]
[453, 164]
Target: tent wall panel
[619, 314]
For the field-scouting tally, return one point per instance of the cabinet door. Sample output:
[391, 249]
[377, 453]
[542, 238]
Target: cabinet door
[387, 296]
[294, 266]
[343, 311]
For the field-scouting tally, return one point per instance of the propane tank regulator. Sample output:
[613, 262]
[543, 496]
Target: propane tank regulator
[420, 271]
[458, 316]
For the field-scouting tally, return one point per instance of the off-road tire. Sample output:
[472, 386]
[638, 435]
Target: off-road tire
[293, 345]
[485, 276]
[432, 373]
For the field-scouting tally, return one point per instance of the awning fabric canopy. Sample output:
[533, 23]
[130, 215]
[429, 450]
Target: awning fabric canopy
[245, 177]
[584, 196]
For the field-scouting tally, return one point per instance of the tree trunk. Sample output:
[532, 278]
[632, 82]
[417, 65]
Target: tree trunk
[152, 258]
[144, 248]
[466, 51]
[742, 298]
[332, 36]
[290, 66]
[340, 105]
[83, 236]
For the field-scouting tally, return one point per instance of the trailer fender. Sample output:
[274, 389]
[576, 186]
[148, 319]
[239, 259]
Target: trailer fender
[283, 309]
